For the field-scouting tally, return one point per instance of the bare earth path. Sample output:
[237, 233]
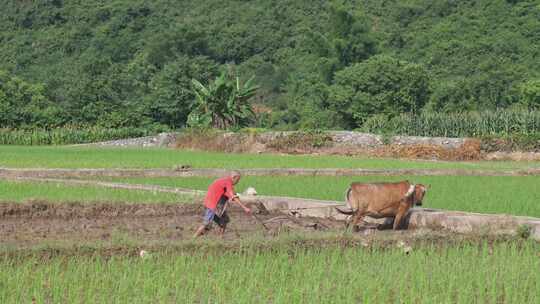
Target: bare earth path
[80, 173]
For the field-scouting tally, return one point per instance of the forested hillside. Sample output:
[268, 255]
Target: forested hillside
[318, 63]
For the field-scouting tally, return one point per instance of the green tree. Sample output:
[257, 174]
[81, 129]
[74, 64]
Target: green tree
[379, 85]
[24, 104]
[350, 34]
[530, 94]
[130, 62]
[452, 96]
[171, 97]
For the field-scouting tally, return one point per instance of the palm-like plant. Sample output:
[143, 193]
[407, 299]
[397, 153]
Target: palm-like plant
[222, 104]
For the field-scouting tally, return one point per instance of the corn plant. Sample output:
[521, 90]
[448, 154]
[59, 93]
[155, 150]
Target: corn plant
[467, 124]
[66, 135]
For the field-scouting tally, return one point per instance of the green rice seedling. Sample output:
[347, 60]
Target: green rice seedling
[53, 192]
[95, 157]
[498, 273]
[518, 195]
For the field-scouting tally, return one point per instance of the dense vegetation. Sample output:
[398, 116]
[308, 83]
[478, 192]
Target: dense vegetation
[319, 64]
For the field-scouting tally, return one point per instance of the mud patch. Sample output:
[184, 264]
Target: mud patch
[41, 222]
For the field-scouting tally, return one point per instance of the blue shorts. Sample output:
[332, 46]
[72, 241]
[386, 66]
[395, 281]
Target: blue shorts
[211, 216]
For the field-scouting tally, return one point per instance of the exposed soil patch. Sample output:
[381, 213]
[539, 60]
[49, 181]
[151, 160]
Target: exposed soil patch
[23, 225]
[358, 144]
[344, 143]
[47, 230]
[469, 150]
[333, 143]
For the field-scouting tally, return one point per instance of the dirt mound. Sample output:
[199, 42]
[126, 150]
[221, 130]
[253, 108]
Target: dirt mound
[513, 156]
[219, 142]
[470, 150]
[333, 143]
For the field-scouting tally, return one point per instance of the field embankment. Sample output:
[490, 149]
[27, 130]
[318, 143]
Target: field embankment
[523, 148]
[364, 144]
[186, 172]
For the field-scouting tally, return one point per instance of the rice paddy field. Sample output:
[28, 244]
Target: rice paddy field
[501, 273]
[517, 195]
[91, 252]
[16, 191]
[92, 157]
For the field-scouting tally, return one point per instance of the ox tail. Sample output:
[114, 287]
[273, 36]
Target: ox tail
[346, 212]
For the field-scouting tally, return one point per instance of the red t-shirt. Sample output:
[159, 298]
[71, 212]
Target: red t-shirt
[221, 186]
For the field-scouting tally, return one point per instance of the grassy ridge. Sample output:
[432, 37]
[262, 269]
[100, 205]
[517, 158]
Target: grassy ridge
[518, 195]
[93, 157]
[502, 273]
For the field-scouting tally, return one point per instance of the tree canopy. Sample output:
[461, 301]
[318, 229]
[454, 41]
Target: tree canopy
[318, 63]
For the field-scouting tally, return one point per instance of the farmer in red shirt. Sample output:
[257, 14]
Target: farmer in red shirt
[220, 192]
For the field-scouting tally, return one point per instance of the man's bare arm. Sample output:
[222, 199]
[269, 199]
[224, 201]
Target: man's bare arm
[237, 201]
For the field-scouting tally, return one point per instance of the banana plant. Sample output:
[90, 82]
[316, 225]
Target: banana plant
[222, 104]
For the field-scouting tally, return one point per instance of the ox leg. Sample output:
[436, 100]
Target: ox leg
[348, 221]
[358, 217]
[399, 217]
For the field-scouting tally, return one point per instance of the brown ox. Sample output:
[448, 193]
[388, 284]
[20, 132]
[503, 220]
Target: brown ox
[380, 200]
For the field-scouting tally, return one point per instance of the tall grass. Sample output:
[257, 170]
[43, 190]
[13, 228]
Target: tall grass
[467, 124]
[500, 273]
[63, 136]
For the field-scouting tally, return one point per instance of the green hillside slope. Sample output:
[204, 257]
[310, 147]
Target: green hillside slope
[320, 64]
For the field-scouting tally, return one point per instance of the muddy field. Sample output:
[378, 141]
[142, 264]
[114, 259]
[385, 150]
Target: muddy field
[25, 225]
